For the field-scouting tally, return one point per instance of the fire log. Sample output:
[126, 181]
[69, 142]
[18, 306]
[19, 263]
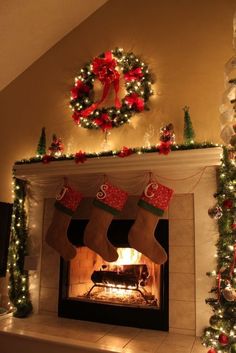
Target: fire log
[125, 275]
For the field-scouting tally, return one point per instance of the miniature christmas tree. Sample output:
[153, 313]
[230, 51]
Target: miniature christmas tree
[220, 336]
[41, 149]
[189, 133]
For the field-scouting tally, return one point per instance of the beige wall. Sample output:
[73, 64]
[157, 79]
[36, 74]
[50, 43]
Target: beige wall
[185, 43]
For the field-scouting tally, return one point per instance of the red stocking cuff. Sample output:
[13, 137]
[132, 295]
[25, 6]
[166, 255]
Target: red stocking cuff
[68, 200]
[156, 198]
[111, 198]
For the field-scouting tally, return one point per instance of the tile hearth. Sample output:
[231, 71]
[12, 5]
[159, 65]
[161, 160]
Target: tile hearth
[49, 333]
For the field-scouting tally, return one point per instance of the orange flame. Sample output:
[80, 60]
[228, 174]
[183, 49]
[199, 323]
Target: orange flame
[128, 256]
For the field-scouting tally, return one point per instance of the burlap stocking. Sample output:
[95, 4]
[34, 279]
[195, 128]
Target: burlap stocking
[66, 204]
[153, 202]
[109, 201]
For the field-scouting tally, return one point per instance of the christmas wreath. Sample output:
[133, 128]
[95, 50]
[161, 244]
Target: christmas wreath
[108, 68]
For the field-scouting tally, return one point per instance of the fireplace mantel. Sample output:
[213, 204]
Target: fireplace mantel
[173, 164]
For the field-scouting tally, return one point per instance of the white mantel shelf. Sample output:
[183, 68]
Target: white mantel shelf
[175, 161]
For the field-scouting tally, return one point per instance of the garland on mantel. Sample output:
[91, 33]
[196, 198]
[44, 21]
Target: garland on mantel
[81, 156]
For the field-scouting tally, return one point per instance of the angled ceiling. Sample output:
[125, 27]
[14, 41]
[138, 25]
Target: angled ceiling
[28, 28]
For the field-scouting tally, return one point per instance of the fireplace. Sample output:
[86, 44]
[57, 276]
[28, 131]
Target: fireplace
[192, 233]
[132, 291]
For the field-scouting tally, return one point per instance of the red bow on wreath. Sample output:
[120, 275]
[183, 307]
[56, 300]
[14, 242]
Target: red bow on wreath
[105, 71]
[104, 122]
[134, 101]
[135, 74]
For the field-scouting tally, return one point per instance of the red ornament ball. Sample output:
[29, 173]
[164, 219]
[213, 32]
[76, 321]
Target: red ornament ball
[223, 339]
[212, 350]
[228, 204]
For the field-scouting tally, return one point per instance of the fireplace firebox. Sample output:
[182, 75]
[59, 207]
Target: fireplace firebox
[133, 291]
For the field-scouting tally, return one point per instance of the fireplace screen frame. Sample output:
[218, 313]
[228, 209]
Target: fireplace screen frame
[113, 313]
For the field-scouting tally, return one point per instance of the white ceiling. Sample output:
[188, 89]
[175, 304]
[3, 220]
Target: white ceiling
[28, 28]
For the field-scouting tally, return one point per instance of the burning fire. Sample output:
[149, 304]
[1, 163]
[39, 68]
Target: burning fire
[128, 256]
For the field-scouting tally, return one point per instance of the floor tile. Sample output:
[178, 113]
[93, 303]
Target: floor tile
[145, 342]
[198, 347]
[111, 341]
[108, 337]
[171, 348]
[179, 340]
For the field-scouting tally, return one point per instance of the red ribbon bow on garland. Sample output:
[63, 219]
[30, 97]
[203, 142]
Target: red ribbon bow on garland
[125, 152]
[135, 74]
[46, 159]
[164, 147]
[80, 157]
[134, 101]
[105, 70]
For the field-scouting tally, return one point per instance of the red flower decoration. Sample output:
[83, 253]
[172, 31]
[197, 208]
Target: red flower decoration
[80, 157]
[228, 204]
[164, 148]
[47, 159]
[104, 122]
[125, 152]
[79, 89]
[135, 74]
[105, 68]
[134, 101]
[212, 350]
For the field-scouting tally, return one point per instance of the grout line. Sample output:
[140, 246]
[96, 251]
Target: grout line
[107, 333]
[131, 339]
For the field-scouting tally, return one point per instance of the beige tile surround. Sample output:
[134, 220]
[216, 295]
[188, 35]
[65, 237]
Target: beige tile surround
[181, 261]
